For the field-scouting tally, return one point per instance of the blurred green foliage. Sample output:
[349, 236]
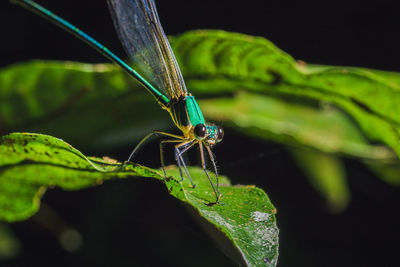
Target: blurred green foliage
[9, 244]
[244, 83]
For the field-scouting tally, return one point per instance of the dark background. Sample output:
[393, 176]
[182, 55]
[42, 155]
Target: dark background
[128, 223]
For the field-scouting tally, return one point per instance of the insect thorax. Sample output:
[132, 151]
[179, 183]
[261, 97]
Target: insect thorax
[186, 114]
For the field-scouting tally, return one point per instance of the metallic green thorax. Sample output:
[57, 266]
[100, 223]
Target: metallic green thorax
[186, 113]
[194, 111]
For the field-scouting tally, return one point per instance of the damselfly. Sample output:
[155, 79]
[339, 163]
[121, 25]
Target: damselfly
[142, 36]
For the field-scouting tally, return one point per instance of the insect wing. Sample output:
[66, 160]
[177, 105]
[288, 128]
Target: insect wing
[142, 36]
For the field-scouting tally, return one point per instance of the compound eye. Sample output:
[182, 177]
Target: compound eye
[200, 131]
[220, 134]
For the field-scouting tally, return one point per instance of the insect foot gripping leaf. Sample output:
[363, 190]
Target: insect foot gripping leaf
[245, 226]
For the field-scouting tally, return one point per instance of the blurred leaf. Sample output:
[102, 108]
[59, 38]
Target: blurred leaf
[325, 128]
[387, 171]
[55, 94]
[9, 244]
[242, 82]
[45, 96]
[31, 163]
[217, 61]
[327, 175]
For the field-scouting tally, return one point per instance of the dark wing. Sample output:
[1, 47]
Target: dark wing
[142, 36]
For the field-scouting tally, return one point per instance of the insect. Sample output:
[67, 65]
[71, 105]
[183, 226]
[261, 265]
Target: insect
[143, 38]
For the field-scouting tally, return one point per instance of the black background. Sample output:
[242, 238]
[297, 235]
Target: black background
[128, 223]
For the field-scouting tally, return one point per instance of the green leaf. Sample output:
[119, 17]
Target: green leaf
[56, 94]
[326, 128]
[32, 163]
[10, 246]
[217, 61]
[327, 175]
[387, 171]
[245, 83]
[45, 96]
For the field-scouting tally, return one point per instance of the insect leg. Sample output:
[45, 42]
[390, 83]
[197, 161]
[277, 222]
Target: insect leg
[179, 150]
[147, 137]
[215, 169]
[162, 142]
[203, 163]
[179, 159]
